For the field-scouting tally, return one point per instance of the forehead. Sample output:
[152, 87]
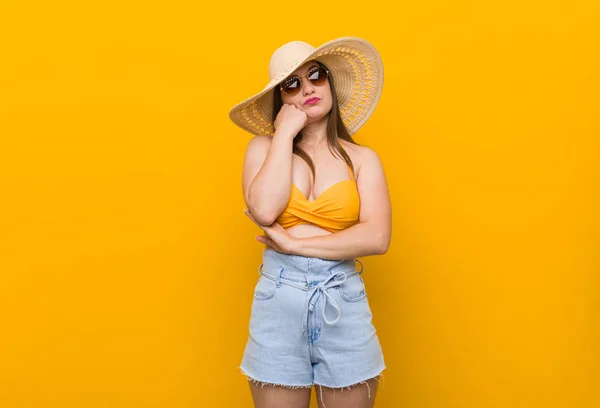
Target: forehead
[305, 67]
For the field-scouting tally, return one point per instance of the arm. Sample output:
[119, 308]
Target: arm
[267, 176]
[372, 235]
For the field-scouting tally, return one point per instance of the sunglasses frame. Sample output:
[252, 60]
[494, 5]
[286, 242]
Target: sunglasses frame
[304, 76]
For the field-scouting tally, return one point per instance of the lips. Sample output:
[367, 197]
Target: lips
[312, 101]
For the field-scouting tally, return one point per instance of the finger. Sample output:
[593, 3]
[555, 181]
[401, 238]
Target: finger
[268, 241]
[262, 239]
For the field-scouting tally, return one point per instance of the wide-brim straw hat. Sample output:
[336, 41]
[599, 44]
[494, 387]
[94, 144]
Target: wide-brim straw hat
[354, 64]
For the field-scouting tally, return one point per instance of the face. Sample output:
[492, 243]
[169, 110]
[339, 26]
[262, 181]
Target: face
[308, 90]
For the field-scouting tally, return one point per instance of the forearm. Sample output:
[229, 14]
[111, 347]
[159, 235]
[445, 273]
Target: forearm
[361, 239]
[270, 190]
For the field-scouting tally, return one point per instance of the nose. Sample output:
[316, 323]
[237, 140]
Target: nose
[307, 87]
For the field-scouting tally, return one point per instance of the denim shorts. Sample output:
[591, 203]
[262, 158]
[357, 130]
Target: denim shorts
[310, 324]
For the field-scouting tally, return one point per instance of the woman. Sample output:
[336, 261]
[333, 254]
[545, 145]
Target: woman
[321, 200]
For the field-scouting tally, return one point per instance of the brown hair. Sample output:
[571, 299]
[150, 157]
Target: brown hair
[335, 127]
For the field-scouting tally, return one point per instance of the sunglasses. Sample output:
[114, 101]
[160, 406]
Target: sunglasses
[316, 76]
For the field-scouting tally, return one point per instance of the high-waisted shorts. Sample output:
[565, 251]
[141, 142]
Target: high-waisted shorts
[311, 324]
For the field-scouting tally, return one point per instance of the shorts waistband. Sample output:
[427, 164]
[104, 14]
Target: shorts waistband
[298, 272]
[305, 269]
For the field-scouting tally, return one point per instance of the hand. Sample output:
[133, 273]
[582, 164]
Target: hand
[292, 118]
[275, 236]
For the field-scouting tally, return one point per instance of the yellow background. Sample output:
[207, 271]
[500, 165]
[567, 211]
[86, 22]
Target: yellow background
[127, 264]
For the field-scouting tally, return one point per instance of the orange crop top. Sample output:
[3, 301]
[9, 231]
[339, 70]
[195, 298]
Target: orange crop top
[337, 208]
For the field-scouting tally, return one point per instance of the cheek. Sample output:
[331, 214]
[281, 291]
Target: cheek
[292, 100]
[328, 104]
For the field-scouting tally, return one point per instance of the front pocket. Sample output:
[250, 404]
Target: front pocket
[264, 289]
[353, 289]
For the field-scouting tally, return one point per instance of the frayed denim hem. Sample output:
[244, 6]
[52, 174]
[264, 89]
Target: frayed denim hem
[263, 383]
[293, 387]
[376, 377]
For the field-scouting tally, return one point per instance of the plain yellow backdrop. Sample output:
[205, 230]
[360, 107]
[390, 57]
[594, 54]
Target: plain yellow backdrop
[127, 264]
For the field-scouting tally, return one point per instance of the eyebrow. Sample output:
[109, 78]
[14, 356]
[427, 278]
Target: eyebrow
[315, 65]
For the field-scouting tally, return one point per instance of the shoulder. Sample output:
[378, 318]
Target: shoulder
[358, 151]
[258, 147]
[259, 141]
[362, 156]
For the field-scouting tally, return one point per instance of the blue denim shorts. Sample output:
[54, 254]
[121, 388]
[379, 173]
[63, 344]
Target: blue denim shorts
[310, 324]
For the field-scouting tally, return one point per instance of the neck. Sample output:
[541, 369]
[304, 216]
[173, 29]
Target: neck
[315, 133]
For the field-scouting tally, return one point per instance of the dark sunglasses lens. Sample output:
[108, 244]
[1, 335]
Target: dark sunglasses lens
[318, 76]
[291, 86]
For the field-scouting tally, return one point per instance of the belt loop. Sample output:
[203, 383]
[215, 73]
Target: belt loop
[362, 267]
[260, 269]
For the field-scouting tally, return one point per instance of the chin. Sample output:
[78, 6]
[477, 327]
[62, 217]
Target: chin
[316, 117]
[317, 113]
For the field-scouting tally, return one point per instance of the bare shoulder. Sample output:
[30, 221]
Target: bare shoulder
[259, 142]
[362, 156]
[257, 149]
[256, 152]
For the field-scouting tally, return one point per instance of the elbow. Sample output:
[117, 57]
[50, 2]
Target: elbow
[263, 211]
[382, 249]
[263, 216]
[382, 244]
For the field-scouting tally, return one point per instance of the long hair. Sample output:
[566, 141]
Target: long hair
[335, 127]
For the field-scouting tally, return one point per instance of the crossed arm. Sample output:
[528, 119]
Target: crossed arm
[371, 236]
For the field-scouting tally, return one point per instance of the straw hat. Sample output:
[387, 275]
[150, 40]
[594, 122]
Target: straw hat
[357, 72]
